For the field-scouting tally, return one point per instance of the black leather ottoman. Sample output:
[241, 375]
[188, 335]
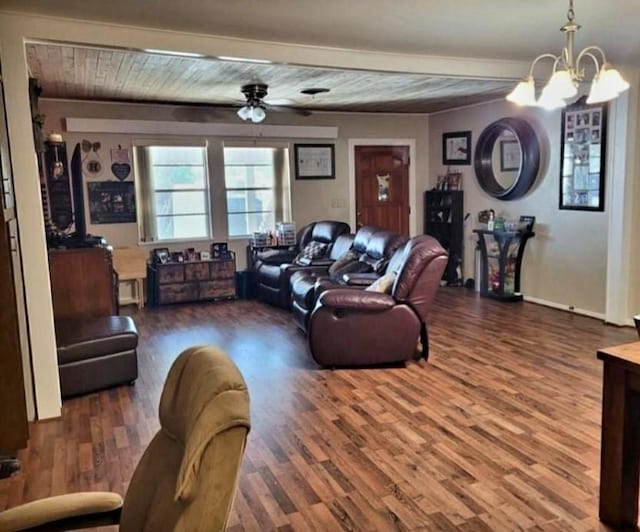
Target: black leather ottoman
[96, 353]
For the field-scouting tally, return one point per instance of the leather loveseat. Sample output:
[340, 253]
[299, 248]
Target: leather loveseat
[359, 327]
[373, 249]
[273, 275]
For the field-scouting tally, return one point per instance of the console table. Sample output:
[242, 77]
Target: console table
[504, 283]
[620, 447]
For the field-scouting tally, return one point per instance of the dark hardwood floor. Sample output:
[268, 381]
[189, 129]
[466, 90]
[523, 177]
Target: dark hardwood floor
[499, 431]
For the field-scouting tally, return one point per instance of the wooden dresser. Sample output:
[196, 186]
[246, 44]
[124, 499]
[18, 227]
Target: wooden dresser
[83, 283]
[191, 281]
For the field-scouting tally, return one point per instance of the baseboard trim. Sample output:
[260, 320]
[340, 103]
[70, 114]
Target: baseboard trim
[567, 308]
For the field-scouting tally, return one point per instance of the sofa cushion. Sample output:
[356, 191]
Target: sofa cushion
[82, 339]
[383, 284]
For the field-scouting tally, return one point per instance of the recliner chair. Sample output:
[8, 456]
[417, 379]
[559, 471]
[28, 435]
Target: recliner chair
[187, 477]
[359, 327]
[273, 279]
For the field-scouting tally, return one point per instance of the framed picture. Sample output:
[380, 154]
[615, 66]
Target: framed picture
[456, 148]
[160, 255]
[582, 156]
[315, 161]
[219, 250]
[509, 155]
[205, 255]
[177, 256]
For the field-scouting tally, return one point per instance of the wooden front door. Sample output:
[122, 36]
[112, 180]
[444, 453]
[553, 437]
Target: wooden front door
[382, 187]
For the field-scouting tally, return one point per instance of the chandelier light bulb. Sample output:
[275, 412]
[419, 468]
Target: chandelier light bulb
[561, 85]
[610, 77]
[524, 93]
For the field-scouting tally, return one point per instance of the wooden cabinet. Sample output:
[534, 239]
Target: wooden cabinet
[192, 281]
[83, 282]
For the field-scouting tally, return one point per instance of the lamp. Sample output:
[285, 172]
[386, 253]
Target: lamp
[567, 73]
[252, 112]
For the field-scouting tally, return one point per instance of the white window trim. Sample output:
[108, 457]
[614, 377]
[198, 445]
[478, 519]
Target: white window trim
[146, 142]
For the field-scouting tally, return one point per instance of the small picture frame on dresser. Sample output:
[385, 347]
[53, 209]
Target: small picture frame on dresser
[160, 255]
[219, 250]
[205, 255]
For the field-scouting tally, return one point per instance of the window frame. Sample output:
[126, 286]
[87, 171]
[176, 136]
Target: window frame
[227, 189]
[207, 190]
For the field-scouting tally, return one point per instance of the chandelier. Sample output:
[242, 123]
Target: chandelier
[568, 72]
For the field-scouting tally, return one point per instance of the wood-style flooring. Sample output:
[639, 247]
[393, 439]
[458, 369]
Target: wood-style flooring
[499, 431]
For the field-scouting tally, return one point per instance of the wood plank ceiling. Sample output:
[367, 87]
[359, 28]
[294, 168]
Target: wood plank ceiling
[85, 73]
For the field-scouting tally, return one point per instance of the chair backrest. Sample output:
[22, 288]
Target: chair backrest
[363, 235]
[187, 477]
[342, 244]
[327, 231]
[423, 262]
[636, 320]
[303, 237]
[380, 248]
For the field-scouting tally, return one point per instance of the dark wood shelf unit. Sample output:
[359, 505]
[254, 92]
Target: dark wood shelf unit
[444, 220]
[182, 282]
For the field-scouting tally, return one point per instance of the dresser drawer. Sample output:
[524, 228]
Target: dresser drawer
[223, 269]
[177, 293]
[170, 273]
[196, 271]
[216, 289]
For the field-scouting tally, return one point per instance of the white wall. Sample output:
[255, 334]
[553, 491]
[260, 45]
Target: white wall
[566, 262]
[311, 199]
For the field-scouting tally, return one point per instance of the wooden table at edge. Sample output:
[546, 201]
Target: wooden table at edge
[620, 445]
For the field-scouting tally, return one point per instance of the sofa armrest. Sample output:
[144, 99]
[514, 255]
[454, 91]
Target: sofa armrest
[360, 279]
[348, 299]
[276, 257]
[83, 509]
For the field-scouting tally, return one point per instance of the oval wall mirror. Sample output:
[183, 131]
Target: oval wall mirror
[507, 158]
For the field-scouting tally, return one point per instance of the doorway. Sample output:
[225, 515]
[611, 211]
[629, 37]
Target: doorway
[382, 187]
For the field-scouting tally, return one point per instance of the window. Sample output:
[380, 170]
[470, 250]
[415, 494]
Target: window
[176, 193]
[254, 180]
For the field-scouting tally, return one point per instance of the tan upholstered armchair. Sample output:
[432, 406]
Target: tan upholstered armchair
[187, 477]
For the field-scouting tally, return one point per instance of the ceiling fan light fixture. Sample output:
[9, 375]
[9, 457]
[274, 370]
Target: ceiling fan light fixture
[257, 114]
[563, 85]
[245, 112]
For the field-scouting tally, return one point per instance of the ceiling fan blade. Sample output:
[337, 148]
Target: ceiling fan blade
[291, 110]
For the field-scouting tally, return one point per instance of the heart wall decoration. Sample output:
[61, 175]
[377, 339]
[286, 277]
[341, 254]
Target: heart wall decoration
[121, 170]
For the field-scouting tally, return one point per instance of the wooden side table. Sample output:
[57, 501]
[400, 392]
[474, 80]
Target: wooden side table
[620, 447]
[131, 265]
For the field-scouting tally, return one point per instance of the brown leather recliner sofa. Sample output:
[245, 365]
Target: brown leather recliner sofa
[274, 274]
[358, 327]
[373, 249]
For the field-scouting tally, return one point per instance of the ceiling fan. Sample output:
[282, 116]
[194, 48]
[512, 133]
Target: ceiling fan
[255, 108]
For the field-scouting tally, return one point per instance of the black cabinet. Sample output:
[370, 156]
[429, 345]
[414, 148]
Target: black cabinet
[444, 220]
